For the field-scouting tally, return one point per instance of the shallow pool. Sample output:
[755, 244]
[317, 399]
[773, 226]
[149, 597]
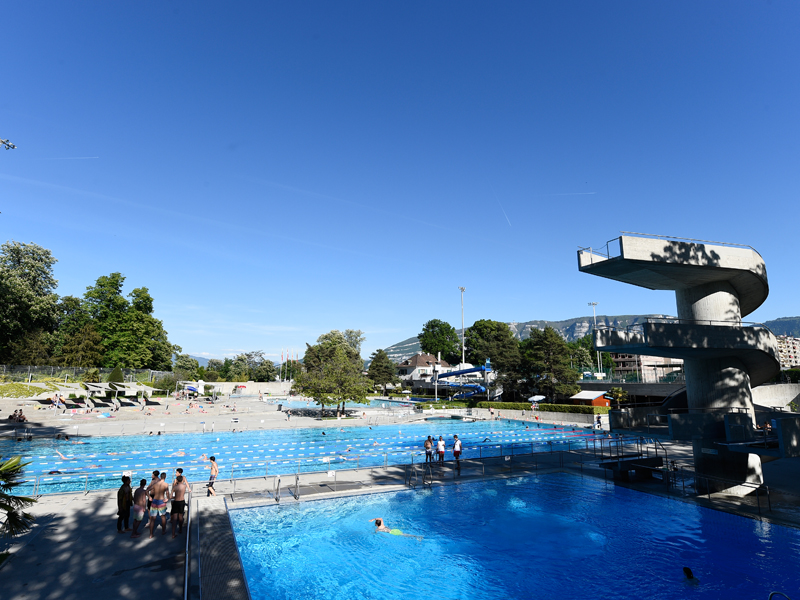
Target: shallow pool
[550, 536]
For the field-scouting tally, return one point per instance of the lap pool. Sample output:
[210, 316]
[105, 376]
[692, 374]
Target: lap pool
[99, 462]
[549, 536]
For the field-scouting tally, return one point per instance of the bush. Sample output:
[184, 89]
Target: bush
[564, 408]
[91, 376]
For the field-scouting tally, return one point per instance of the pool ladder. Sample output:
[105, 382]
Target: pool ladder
[413, 475]
[293, 490]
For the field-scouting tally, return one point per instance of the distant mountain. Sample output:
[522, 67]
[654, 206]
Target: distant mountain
[203, 361]
[785, 326]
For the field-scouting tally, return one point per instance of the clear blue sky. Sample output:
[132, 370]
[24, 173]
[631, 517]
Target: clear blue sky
[272, 171]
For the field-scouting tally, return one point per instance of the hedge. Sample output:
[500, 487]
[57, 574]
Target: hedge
[563, 408]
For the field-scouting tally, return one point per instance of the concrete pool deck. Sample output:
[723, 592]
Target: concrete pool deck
[73, 550]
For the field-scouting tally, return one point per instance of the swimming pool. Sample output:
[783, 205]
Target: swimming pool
[549, 536]
[254, 453]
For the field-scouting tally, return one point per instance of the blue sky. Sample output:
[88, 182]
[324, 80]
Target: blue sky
[272, 171]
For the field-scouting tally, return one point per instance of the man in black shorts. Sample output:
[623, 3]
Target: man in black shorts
[178, 504]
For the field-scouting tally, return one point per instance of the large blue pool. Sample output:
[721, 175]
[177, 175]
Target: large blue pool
[550, 536]
[100, 461]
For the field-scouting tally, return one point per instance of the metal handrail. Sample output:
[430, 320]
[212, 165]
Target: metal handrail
[682, 239]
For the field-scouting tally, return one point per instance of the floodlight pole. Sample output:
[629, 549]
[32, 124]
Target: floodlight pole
[594, 312]
[463, 360]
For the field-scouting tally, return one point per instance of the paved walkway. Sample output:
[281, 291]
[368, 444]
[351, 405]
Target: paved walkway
[75, 552]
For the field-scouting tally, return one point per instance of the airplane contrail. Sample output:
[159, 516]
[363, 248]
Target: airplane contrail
[69, 158]
[570, 194]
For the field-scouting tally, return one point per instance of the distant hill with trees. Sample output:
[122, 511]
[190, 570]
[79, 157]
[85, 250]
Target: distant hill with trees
[575, 329]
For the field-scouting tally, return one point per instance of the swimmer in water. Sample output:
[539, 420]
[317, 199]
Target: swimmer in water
[487, 440]
[690, 578]
[380, 527]
[64, 457]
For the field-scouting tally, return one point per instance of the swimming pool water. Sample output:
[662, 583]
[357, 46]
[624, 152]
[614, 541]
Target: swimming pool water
[253, 453]
[550, 536]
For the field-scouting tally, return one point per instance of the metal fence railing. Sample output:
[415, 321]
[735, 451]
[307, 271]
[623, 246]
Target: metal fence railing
[34, 374]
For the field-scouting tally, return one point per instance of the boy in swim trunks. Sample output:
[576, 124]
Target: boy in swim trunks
[158, 507]
[213, 477]
[139, 507]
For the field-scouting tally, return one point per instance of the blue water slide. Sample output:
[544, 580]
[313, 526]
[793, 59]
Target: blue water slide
[473, 388]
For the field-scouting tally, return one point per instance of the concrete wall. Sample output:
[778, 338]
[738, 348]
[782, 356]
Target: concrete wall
[789, 436]
[688, 426]
[274, 388]
[660, 390]
[778, 395]
[634, 417]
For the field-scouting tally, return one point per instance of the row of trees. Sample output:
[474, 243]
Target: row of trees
[104, 328]
[544, 363]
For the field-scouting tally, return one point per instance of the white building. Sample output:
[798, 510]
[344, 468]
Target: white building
[420, 367]
[789, 351]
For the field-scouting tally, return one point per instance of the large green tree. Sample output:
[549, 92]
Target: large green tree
[438, 336]
[27, 293]
[333, 371]
[336, 380]
[185, 367]
[545, 363]
[382, 371]
[493, 340]
[82, 348]
[132, 337]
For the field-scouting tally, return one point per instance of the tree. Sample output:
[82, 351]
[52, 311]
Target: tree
[354, 339]
[185, 367]
[618, 395]
[83, 348]
[265, 372]
[132, 337]
[488, 339]
[581, 358]
[290, 369]
[337, 380]
[214, 364]
[33, 348]
[438, 336]
[116, 376]
[545, 363]
[382, 370]
[17, 520]
[27, 292]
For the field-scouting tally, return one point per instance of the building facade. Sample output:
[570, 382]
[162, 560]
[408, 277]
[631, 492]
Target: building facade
[789, 351]
[646, 369]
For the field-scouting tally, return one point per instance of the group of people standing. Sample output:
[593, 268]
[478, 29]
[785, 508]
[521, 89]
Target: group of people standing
[150, 501]
[441, 447]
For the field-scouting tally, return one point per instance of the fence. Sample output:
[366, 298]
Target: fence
[33, 374]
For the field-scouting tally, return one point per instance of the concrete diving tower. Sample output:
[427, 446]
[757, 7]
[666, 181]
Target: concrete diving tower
[715, 286]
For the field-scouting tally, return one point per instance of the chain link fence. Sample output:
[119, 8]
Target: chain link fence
[31, 374]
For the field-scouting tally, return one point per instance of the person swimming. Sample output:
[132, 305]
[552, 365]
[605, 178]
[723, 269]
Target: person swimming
[690, 578]
[380, 527]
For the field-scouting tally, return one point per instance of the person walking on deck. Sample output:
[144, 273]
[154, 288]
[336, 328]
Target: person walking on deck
[213, 477]
[440, 449]
[158, 506]
[428, 450]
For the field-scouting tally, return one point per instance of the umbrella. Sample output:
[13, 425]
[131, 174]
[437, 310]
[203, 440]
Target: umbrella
[191, 389]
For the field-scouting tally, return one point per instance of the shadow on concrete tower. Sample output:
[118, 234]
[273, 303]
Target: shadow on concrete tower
[715, 286]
